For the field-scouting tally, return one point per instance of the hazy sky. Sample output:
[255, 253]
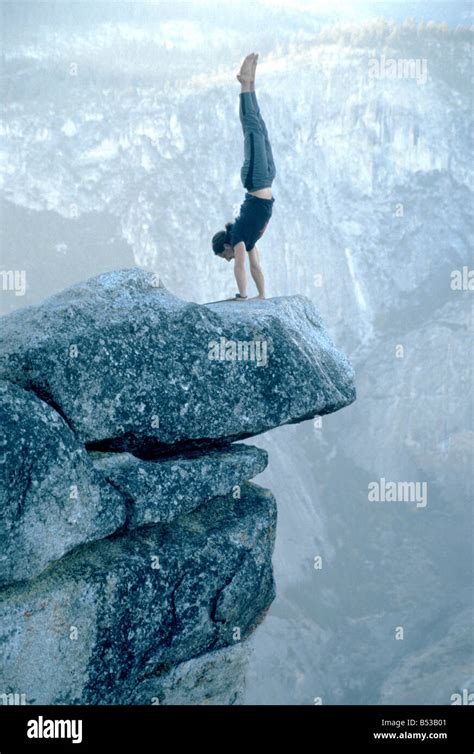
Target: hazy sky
[453, 11]
[46, 11]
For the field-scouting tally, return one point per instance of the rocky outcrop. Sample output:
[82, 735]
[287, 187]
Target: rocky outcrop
[132, 367]
[127, 609]
[217, 677]
[52, 498]
[160, 490]
[138, 555]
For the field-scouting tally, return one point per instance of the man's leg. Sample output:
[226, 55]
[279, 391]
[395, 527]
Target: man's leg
[268, 147]
[270, 162]
[255, 169]
[256, 172]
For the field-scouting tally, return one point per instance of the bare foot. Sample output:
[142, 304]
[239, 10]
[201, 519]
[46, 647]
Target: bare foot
[245, 73]
[254, 68]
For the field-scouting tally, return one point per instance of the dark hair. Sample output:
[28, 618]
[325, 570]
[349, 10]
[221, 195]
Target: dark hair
[220, 238]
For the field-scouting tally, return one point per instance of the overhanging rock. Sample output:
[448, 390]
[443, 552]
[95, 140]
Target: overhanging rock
[131, 367]
[158, 491]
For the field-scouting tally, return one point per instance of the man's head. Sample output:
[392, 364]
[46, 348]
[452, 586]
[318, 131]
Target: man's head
[221, 246]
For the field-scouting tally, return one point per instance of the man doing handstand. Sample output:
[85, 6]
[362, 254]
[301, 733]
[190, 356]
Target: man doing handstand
[257, 174]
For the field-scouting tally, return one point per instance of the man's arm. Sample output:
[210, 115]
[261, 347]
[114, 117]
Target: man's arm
[239, 268]
[257, 272]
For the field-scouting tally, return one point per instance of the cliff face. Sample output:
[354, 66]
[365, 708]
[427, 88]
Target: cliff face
[137, 555]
